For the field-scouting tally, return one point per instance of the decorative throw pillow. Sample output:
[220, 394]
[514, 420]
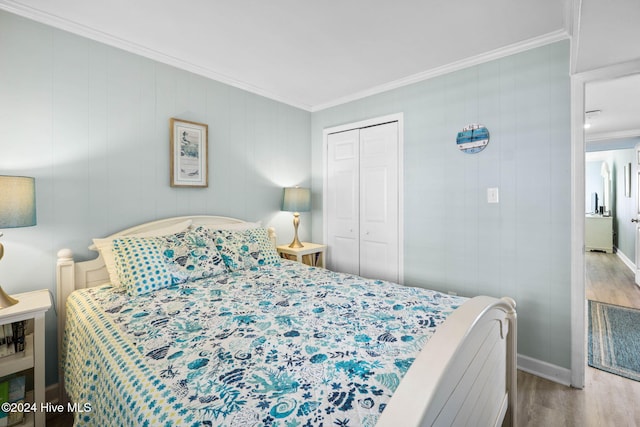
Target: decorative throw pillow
[245, 249]
[267, 249]
[105, 247]
[191, 255]
[141, 265]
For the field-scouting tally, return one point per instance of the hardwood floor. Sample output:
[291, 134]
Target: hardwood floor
[607, 399]
[610, 280]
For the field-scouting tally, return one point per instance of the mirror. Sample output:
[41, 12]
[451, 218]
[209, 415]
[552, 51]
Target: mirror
[598, 184]
[606, 182]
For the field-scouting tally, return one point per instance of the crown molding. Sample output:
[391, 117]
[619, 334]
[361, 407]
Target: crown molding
[114, 41]
[449, 68]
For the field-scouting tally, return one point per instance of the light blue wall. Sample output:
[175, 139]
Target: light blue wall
[625, 207]
[91, 123]
[454, 239]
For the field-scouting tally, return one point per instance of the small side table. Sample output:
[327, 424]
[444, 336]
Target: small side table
[31, 305]
[310, 254]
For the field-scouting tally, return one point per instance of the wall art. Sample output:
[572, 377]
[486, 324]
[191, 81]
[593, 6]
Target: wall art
[189, 165]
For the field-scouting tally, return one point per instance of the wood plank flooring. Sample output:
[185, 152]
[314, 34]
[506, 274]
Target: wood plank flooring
[607, 399]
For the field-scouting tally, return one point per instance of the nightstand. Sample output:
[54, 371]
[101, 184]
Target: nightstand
[310, 254]
[31, 305]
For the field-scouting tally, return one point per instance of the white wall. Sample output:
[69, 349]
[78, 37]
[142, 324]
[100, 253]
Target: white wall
[91, 123]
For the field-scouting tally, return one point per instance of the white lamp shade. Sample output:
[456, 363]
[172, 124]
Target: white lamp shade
[296, 199]
[17, 201]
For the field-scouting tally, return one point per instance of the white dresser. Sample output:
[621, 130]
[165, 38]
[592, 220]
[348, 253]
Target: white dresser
[598, 233]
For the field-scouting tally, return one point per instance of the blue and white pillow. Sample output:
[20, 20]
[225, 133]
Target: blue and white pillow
[192, 255]
[141, 266]
[246, 249]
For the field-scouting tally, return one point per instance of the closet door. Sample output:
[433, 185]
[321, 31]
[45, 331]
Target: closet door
[362, 201]
[343, 202]
[379, 202]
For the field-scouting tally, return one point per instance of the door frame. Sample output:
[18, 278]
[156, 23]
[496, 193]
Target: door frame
[578, 272]
[635, 180]
[397, 117]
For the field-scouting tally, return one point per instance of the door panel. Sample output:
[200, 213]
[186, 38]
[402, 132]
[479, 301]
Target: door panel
[379, 201]
[342, 202]
[372, 250]
[637, 218]
[374, 191]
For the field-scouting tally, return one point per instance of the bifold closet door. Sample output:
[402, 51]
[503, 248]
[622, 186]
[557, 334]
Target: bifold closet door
[362, 201]
[379, 202]
[343, 202]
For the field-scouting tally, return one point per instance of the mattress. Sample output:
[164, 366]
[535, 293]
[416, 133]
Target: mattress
[279, 345]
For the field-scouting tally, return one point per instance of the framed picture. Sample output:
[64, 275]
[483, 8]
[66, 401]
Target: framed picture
[189, 166]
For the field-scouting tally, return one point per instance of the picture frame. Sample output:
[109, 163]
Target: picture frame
[188, 153]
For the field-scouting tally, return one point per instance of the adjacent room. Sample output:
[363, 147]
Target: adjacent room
[335, 191]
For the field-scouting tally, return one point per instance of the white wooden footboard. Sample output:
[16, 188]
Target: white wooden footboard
[466, 374]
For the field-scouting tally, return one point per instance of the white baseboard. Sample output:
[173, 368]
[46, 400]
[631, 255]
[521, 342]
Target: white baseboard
[544, 370]
[626, 261]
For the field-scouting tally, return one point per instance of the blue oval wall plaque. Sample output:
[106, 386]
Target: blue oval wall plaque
[473, 138]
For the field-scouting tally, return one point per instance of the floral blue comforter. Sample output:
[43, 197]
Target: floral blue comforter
[282, 345]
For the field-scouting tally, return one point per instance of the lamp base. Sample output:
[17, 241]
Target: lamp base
[296, 242]
[6, 300]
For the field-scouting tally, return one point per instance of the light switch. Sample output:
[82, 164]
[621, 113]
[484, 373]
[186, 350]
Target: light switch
[492, 195]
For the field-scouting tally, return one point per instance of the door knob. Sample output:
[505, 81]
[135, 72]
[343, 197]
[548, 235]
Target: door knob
[635, 220]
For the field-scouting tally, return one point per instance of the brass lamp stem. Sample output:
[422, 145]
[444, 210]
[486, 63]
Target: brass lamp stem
[5, 299]
[296, 221]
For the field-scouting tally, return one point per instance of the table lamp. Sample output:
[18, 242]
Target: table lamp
[17, 209]
[296, 200]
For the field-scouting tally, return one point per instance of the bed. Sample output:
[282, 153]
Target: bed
[220, 331]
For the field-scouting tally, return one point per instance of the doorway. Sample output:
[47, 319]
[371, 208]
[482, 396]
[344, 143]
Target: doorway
[580, 87]
[612, 131]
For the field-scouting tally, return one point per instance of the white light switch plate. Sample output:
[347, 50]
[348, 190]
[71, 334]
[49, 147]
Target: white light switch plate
[492, 195]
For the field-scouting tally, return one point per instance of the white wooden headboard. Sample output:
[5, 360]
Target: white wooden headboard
[72, 275]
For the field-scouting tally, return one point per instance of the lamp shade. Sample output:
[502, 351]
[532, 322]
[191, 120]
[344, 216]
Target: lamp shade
[17, 201]
[296, 199]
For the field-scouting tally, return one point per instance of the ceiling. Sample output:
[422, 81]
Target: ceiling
[618, 104]
[313, 55]
[608, 34]
[305, 53]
